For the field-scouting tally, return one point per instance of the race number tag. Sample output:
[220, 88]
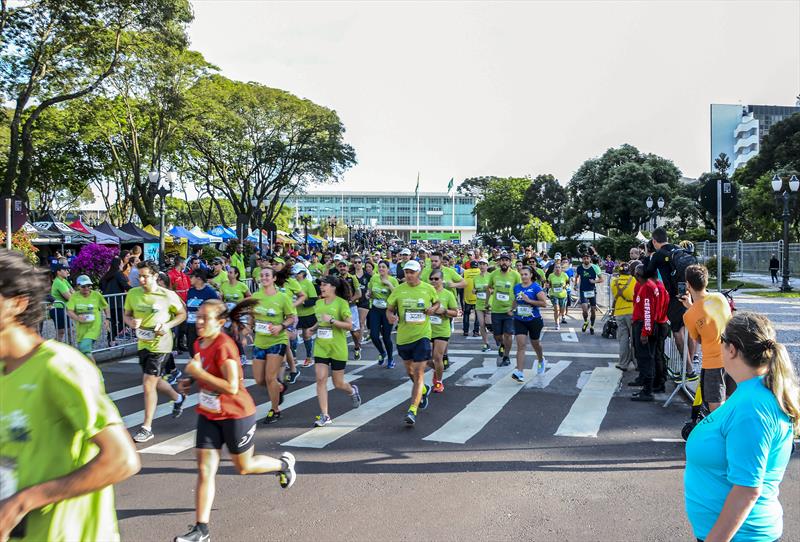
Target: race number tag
[436, 319]
[588, 294]
[191, 317]
[88, 317]
[263, 327]
[8, 477]
[415, 317]
[524, 311]
[558, 289]
[325, 333]
[379, 303]
[145, 334]
[500, 296]
[209, 401]
[481, 295]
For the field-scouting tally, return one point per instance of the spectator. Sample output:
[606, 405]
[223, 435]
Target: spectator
[737, 457]
[61, 290]
[650, 302]
[622, 292]
[774, 265]
[115, 282]
[133, 273]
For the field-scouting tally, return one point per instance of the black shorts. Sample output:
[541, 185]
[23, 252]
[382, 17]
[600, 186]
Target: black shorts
[153, 363]
[445, 339]
[336, 365]
[306, 322]
[716, 385]
[591, 301]
[675, 312]
[418, 351]
[235, 433]
[532, 328]
[502, 323]
[59, 317]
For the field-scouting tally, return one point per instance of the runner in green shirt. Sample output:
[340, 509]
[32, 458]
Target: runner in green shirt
[233, 291]
[501, 284]
[379, 288]
[558, 283]
[334, 320]
[480, 285]
[218, 274]
[452, 279]
[89, 309]
[410, 306]
[305, 312]
[61, 290]
[440, 326]
[62, 441]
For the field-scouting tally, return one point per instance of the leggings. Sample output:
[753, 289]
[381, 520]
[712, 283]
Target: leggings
[379, 326]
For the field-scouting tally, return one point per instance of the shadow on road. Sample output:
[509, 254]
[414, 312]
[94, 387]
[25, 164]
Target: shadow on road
[125, 514]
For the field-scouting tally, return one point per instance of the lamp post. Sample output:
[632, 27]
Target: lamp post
[349, 233]
[786, 196]
[559, 223]
[161, 191]
[593, 216]
[654, 211]
[305, 220]
[257, 207]
[332, 224]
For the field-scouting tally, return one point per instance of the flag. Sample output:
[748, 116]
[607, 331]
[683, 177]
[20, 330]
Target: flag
[450, 185]
[416, 190]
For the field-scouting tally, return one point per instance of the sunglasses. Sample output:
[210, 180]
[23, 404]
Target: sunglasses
[437, 279]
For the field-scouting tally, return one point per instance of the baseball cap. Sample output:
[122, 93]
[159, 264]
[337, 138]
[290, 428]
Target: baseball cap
[83, 280]
[278, 260]
[217, 260]
[421, 250]
[413, 265]
[337, 257]
[405, 252]
[505, 255]
[557, 256]
[483, 260]
[62, 267]
[299, 268]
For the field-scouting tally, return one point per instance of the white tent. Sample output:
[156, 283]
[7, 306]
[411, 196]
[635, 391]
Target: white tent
[640, 236]
[203, 235]
[588, 236]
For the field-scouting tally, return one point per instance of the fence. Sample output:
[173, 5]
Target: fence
[752, 257]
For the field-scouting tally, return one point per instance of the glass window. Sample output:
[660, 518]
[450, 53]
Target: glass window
[404, 220]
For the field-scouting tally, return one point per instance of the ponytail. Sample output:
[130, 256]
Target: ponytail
[341, 286]
[782, 380]
[240, 314]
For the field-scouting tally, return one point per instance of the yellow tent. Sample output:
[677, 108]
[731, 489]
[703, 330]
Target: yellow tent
[170, 245]
[153, 231]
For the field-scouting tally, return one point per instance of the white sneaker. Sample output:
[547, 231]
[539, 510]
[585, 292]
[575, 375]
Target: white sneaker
[541, 367]
[558, 326]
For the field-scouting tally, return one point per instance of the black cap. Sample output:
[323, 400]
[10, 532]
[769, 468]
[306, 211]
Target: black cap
[62, 267]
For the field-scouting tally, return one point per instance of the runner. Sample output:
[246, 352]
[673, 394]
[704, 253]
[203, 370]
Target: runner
[501, 284]
[61, 290]
[528, 322]
[196, 296]
[363, 277]
[409, 306]
[355, 288]
[218, 274]
[272, 316]
[288, 285]
[380, 286]
[482, 312]
[471, 270]
[451, 279]
[440, 326]
[89, 309]
[180, 284]
[566, 266]
[587, 277]
[152, 311]
[62, 442]
[305, 312]
[333, 321]
[226, 413]
[233, 291]
[557, 283]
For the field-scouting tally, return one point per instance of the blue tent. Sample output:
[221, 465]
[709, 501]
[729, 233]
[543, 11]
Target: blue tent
[183, 233]
[314, 240]
[222, 231]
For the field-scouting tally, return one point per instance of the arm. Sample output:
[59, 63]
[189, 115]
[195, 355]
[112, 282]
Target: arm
[301, 298]
[541, 300]
[737, 507]
[228, 384]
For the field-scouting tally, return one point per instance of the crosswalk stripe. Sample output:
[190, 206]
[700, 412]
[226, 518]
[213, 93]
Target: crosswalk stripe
[125, 393]
[547, 354]
[480, 411]
[322, 436]
[590, 407]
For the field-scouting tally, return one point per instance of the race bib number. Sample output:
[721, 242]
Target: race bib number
[230, 305]
[481, 295]
[379, 303]
[436, 319]
[588, 294]
[263, 328]
[500, 296]
[145, 334]
[415, 317]
[191, 317]
[325, 333]
[209, 401]
[88, 317]
[558, 289]
[524, 311]
[8, 477]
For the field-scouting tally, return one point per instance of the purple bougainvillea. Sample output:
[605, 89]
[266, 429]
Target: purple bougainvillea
[94, 260]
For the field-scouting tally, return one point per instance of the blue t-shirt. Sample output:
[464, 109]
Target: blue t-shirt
[522, 306]
[195, 298]
[570, 271]
[745, 442]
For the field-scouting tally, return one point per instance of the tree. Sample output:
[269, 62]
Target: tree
[474, 186]
[536, 231]
[722, 164]
[55, 51]
[503, 204]
[545, 198]
[760, 212]
[780, 149]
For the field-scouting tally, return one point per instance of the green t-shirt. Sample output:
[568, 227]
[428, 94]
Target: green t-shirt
[331, 341]
[379, 292]
[479, 283]
[502, 285]
[51, 408]
[311, 293]
[291, 288]
[157, 307]
[255, 274]
[60, 287]
[90, 307]
[316, 269]
[218, 280]
[271, 309]
[233, 293]
[449, 275]
[542, 276]
[558, 285]
[411, 303]
[440, 323]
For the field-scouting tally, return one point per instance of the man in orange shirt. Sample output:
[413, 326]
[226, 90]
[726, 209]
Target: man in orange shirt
[705, 319]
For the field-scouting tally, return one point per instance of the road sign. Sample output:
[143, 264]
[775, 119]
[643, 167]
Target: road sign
[708, 197]
[19, 214]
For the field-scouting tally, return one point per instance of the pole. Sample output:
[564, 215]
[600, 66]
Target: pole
[260, 234]
[785, 282]
[719, 235]
[453, 206]
[161, 259]
[8, 223]
[417, 212]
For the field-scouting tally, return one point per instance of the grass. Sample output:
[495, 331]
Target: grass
[772, 293]
[733, 283]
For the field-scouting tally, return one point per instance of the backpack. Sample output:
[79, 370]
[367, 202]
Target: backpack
[679, 259]
[610, 329]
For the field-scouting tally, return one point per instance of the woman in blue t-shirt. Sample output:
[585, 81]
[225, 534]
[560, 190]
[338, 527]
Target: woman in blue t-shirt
[736, 457]
[195, 296]
[528, 322]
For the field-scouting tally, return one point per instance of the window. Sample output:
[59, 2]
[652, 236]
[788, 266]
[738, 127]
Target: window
[389, 221]
[403, 210]
[434, 221]
[403, 220]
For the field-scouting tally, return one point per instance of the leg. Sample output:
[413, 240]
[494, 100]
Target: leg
[340, 383]
[290, 360]
[375, 330]
[522, 343]
[585, 311]
[207, 464]
[417, 373]
[322, 370]
[249, 463]
[438, 355]
[482, 325]
[362, 315]
[624, 340]
[259, 372]
[386, 333]
[308, 342]
[537, 347]
[149, 384]
[465, 319]
[508, 339]
[164, 388]
[274, 363]
[594, 314]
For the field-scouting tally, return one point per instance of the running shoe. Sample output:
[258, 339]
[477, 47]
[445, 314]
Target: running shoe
[591, 330]
[291, 377]
[563, 320]
[308, 362]
[177, 408]
[194, 535]
[466, 334]
[357, 354]
[284, 387]
[446, 363]
[438, 387]
[381, 359]
[585, 325]
[501, 350]
[506, 362]
[322, 420]
[423, 403]
[244, 361]
[485, 348]
[391, 363]
[272, 417]
[287, 476]
[356, 397]
[173, 377]
[143, 435]
[691, 377]
[541, 367]
[411, 418]
[476, 334]
[642, 396]
[518, 376]
[366, 339]
[558, 326]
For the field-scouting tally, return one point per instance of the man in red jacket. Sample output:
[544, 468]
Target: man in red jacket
[180, 284]
[650, 302]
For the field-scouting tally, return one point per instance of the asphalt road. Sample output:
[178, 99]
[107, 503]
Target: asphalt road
[368, 476]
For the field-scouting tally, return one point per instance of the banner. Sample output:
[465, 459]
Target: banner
[435, 236]
[151, 251]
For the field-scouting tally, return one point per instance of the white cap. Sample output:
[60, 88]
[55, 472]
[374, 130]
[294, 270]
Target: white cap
[483, 260]
[405, 252]
[337, 257]
[299, 268]
[83, 280]
[557, 255]
[412, 265]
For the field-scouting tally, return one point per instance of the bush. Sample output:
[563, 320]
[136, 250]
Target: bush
[210, 252]
[94, 260]
[565, 247]
[728, 267]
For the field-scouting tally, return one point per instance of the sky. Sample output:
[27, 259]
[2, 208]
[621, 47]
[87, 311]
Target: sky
[464, 89]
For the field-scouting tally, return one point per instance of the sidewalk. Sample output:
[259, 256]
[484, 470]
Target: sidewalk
[764, 280]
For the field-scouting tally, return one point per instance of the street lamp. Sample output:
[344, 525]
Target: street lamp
[332, 224]
[654, 214]
[786, 195]
[559, 224]
[349, 233]
[257, 207]
[305, 220]
[593, 216]
[162, 192]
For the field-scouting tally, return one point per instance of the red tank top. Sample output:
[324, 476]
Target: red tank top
[222, 406]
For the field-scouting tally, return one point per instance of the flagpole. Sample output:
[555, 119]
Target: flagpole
[453, 206]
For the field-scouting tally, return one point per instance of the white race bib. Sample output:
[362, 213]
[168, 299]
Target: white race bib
[588, 294]
[379, 303]
[500, 296]
[209, 401]
[436, 319]
[558, 289]
[524, 311]
[191, 317]
[145, 334]
[325, 333]
[88, 317]
[415, 317]
[481, 295]
[8, 477]
[263, 328]
[194, 302]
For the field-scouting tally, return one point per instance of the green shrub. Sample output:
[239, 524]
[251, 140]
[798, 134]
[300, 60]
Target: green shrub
[728, 267]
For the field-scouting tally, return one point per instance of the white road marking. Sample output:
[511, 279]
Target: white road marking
[547, 353]
[667, 439]
[129, 360]
[553, 370]
[485, 375]
[570, 336]
[125, 393]
[320, 437]
[591, 405]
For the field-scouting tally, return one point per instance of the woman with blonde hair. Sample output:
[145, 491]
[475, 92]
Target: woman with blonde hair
[737, 456]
